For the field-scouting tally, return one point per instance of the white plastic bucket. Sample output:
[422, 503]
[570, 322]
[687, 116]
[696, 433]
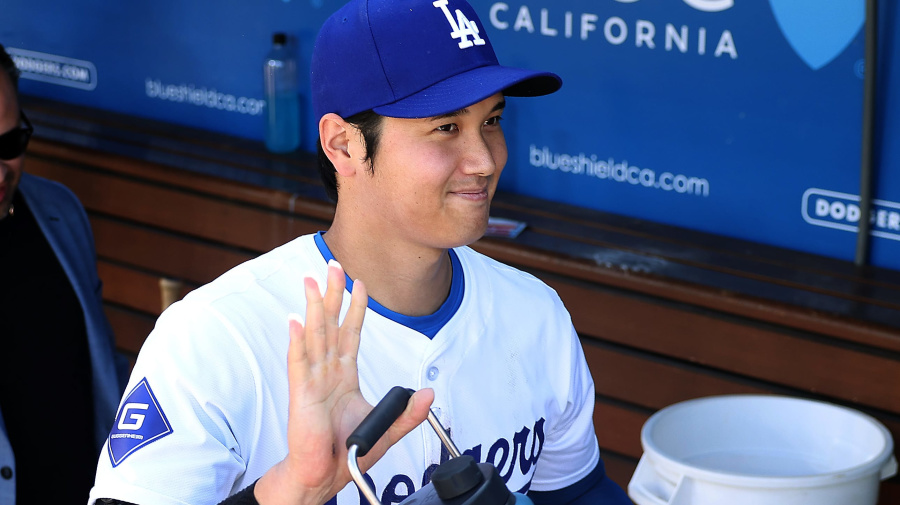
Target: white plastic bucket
[761, 450]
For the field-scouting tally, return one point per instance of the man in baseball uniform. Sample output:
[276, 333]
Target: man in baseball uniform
[247, 389]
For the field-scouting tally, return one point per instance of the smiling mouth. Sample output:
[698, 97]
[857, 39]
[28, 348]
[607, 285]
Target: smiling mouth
[472, 194]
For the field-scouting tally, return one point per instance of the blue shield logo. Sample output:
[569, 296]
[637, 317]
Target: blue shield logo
[819, 31]
[139, 422]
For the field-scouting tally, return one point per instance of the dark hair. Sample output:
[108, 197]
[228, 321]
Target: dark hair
[369, 125]
[9, 66]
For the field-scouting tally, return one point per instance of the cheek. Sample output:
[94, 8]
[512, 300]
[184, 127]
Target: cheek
[430, 167]
[410, 181]
[499, 152]
[10, 170]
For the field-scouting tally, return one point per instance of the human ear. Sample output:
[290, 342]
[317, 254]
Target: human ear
[336, 136]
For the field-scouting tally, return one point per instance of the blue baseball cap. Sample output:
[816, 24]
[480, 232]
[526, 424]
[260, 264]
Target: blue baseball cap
[411, 59]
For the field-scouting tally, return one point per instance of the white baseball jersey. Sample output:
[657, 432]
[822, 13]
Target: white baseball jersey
[205, 412]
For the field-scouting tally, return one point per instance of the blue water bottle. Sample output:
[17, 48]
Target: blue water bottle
[282, 97]
[522, 499]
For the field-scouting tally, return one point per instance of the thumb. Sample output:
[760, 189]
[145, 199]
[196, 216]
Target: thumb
[416, 411]
[413, 415]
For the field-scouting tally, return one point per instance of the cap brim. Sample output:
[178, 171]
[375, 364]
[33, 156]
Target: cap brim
[470, 87]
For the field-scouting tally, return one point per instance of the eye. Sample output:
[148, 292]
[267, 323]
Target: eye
[448, 128]
[494, 121]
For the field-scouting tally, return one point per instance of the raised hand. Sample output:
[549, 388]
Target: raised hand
[326, 404]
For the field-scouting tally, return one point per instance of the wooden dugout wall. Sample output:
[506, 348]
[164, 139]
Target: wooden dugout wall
[665, 314]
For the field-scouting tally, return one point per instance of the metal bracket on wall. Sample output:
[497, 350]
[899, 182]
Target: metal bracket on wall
[863, 238]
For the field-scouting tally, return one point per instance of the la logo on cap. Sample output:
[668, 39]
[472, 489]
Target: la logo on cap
[462, 27]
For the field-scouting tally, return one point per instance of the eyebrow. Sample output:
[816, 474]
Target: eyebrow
[465, 110]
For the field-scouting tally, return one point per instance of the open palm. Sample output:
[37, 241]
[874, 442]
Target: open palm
[326, 404]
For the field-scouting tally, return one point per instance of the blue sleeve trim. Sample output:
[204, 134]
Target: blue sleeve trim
[595, 489]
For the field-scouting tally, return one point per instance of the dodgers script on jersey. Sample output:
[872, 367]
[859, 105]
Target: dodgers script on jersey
[205, 412]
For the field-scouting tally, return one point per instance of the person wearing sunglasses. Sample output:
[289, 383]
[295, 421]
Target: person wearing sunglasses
[60, 375]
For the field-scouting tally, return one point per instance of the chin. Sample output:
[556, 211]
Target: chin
[472, 235]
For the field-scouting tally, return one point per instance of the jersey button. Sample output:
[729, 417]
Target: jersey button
[6, 472]
[433, 373]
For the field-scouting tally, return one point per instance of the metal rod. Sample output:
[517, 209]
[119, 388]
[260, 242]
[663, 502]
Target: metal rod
[443, 435]
[363, 484]
[863, 237]
[357, 476]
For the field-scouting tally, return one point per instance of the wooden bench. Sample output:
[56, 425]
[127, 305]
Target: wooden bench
[665, 314]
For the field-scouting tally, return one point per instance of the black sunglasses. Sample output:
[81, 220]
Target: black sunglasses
[14, 142]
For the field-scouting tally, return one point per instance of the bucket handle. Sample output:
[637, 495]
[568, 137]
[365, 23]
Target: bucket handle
[889, 469]
[647, 487]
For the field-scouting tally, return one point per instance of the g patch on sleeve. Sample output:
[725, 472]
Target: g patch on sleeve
[140, 421]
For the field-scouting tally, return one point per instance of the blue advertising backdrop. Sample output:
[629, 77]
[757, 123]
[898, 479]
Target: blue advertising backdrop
[736, 117]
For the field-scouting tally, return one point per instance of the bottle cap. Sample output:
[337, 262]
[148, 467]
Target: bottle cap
[456, 476]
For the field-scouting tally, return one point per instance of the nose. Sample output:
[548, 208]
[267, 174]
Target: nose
[479, 155]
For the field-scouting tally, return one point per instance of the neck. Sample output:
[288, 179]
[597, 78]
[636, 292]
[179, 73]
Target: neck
[413, 282]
